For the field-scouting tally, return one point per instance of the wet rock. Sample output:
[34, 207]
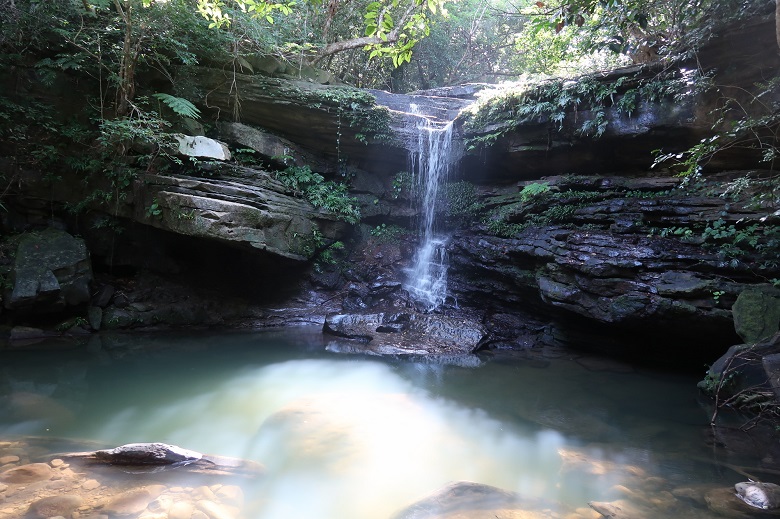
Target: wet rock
[27, 474]
[216, 511]
[724, 502]
[147, 454]
[161, 505]
[464, 498]
[759, 495]
[95, 317]
[203, 493]
[231, 495]
[133, 501]
[407, 333]
[90, 484]
[54, 506]
[181, 510]
[25, 333]
[103, 296]
[51, 270]
[4, 460]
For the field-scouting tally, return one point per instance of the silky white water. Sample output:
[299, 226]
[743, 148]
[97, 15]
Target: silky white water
[430, 161]
[353, 437]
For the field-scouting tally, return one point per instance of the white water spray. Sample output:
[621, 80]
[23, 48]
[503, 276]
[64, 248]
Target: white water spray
[430, 163]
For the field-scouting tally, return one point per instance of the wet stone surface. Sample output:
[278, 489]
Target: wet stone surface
[73, 489]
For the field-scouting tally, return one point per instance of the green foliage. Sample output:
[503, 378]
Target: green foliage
[461, 200]
[314, 246]
[551, 101]
[179, 105]
[534, 190]
[154, 210]
[641, 29]
[402, 182]
[384, 233]
[321, 193]
[246, 156]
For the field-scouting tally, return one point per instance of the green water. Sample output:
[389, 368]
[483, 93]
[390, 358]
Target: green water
[361, 437]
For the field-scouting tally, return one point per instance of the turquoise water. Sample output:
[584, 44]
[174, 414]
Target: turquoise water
[362, 437]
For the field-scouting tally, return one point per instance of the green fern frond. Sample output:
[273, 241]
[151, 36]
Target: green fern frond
[179, 105]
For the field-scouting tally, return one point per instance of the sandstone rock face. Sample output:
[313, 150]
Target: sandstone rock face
[52, 270]
[273, 147]
[249, 209]
[330, 121]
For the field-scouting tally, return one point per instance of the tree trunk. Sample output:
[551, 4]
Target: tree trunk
[126, 89]
[777, 22]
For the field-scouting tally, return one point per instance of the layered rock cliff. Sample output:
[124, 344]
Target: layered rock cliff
[562, 233]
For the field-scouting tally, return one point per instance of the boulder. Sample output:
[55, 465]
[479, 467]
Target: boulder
[147, 454]
[202, 147]
[757, 313]
[745, 368]
[52, 270]
[765, 496]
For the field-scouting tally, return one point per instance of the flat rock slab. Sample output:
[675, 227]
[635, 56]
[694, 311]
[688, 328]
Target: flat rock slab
[407, 333]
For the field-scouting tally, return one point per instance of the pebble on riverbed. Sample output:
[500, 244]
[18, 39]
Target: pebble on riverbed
[55, 490]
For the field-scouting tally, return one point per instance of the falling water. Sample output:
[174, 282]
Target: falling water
[430, 163]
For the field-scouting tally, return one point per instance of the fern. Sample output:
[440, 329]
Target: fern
[179, 105]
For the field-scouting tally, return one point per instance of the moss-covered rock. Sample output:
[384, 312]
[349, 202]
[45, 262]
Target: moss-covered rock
[757, 313]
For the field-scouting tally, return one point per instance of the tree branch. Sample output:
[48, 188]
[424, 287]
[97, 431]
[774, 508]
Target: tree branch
[392, 37]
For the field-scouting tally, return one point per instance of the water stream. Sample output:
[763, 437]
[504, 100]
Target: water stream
[430, 161]
[354, 437]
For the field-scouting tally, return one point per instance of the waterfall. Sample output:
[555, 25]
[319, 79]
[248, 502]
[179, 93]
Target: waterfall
[430, 159]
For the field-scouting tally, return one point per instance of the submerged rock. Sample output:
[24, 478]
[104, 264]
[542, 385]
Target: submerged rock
[759, 495]
[466, 499]
[27, 474]
[54, 506]
[133, 501]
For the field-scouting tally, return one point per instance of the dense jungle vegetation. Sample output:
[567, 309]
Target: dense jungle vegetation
[110, 45]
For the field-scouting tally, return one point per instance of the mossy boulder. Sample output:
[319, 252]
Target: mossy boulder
[757, 313]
